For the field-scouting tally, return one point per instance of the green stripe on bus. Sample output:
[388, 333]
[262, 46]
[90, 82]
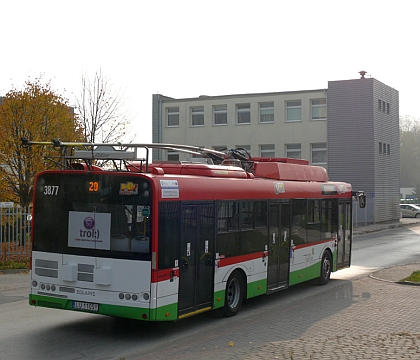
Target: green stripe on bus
[219, 299]
[253, 289]
[311, 272]
[256, 288]
[164, 313]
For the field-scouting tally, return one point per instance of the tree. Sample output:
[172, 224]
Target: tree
[38, 114]
[417, 192]
[409, 151]
[99, 109]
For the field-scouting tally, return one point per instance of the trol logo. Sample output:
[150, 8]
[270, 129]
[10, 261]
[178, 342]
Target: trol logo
[90, 231]
[129, 188]
[89, 222]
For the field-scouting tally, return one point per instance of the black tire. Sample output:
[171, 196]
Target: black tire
[234, 294]
[326, 266]
[417, 216]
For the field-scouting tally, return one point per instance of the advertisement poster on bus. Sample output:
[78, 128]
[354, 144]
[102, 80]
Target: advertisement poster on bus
[89, 230]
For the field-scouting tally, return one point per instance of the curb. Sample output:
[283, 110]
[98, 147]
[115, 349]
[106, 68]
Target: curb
[408, 283]
[379, 279]
[13, 271]
[411, 283]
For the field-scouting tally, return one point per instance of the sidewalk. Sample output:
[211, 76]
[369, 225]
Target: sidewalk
[395, 273]
[383, 226]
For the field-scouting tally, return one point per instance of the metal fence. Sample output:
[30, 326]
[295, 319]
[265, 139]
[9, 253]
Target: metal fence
[15, 225]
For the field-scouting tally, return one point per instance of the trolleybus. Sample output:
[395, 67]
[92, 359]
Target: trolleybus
[116, 235]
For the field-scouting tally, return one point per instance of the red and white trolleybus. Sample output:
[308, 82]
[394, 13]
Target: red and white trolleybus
[113, 234]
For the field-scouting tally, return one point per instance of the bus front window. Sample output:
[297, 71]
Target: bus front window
[112, 221]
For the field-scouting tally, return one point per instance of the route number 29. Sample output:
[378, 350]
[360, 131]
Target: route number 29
[51, 190]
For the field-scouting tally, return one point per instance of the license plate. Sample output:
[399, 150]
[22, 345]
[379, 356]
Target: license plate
[81, 305]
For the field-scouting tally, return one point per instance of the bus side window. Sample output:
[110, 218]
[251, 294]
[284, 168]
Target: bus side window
[313, 233]
[298, 234]
[169, 233]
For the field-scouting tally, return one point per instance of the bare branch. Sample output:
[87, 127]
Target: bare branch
[100, 109]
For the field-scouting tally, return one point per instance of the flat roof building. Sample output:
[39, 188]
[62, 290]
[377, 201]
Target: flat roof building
[351, 128]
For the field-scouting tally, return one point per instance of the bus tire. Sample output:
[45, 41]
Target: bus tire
[326, 266]
[234, 294]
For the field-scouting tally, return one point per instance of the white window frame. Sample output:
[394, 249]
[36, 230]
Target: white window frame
[268, 151]
[219, 111]
[317, 148]
[265, 110]
[317, 107]
[294, 151]
[170, 112]
[241, 111]
[220, 147]
[197, 116]
[293, 105]
[172, 156]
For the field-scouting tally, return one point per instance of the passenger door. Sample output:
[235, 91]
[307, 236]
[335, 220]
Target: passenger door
[279, 246]
[197, 258]
[344, 234]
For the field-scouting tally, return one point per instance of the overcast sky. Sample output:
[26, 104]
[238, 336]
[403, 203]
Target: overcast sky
[190, 48]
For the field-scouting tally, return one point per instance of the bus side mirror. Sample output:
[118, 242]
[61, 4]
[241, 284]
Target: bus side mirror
[362, 201]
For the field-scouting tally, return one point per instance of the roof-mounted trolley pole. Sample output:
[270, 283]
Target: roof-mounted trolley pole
[124, 152]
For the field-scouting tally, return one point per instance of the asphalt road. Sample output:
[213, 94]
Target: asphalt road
[352, 305]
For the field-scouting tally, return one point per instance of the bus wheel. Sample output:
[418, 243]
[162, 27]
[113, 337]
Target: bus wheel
[234, 294]
[326, 265]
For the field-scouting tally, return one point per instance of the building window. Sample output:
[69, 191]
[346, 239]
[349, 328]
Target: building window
[267, 151]
[173, 156]
[172, 116]
[383, 106]
[219, 147]
[388, 150]
[293, 151]
[243, 114]
[294, 110]
[384, 148]
[197, 116]
[220, 115]
[246, 147]
[267, 112]
[319, 109]
[380, 147]
[319, 154]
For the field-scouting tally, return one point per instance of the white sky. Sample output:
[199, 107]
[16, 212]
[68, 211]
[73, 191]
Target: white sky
[182, 48]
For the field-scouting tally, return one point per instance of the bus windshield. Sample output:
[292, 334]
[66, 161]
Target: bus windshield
[101, 215]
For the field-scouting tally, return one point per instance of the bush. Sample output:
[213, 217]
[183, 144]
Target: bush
[14, 264]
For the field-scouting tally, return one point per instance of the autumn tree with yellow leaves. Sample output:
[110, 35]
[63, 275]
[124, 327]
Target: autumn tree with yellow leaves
[38, 114]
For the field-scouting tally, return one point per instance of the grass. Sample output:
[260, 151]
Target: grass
[14, 264]
[414, 277]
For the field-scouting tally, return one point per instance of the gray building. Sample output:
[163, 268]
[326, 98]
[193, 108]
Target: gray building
[351, 128]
